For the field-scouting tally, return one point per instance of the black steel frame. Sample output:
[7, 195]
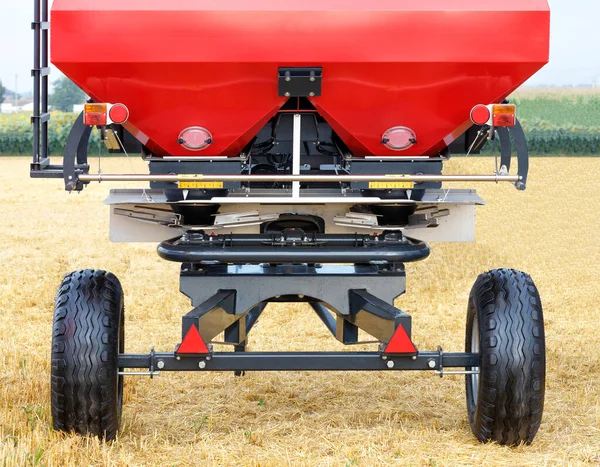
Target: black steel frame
[220, 313]
[40, 73]
[299, 361]
[344, 297]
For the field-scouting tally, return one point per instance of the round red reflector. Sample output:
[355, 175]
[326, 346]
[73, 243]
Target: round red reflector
[480, 114]
[118, 113]
[399, 138]
[195, 138]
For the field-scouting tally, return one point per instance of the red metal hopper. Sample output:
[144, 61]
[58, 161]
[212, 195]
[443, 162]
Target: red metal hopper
[214, 64]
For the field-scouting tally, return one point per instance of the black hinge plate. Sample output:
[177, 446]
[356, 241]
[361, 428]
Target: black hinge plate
[300, 82]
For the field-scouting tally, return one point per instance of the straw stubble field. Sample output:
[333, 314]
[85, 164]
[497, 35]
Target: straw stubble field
[274, 419]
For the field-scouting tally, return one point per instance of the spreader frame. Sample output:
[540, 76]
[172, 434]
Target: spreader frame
[228, 300]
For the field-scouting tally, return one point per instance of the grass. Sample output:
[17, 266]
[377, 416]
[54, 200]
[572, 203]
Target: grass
[314, 419]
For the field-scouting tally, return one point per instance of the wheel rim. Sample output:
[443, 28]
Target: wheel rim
[474, 378]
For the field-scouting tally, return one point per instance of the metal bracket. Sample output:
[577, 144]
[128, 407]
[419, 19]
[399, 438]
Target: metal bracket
[423, 217]
[242, 219]
[300, 81]
[358, 220]
[76, 150]
[152, 215]
[520, 143]
[522, 154]
[375, 316]
[74, 157]
[441, 371]
[213, 316]
[152, 372]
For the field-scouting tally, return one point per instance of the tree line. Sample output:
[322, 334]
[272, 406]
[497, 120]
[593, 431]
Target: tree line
[65, 94]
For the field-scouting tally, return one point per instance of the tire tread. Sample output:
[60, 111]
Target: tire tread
[87, 324]
[512, 360]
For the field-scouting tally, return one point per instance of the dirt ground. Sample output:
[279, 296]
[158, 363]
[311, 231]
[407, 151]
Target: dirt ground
[303, 418]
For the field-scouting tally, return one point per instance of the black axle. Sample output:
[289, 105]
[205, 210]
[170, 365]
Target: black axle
[298, 361]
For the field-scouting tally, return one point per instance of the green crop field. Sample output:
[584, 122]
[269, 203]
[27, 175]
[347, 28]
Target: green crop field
[561, 122]
[557, 122]
[16, 133]
[562, 112]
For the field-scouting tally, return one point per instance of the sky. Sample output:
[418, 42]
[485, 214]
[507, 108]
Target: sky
[575, 44]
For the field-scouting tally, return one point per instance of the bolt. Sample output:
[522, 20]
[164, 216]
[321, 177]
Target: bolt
[208, 357]
[178, 357]
[288, 79]
[390, 364]
[312, 79]
[202, 365]
[414, 357]
[287, 94]
[384, 357]
[431, 363]
[311, 94]
[160, 364]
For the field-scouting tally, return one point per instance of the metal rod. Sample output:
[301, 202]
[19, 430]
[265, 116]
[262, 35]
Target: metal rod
[296, 153]
[138, 373]
[292, 178]
[458, 372]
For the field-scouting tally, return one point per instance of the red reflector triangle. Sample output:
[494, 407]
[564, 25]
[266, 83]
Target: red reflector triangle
[193, 343]
[400, 342]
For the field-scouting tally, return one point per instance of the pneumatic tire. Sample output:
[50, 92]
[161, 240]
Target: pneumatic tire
[87, 337]
[505, 325]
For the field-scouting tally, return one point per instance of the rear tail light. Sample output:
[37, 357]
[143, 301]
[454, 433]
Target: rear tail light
[118, 113]
[95, 114]
[104, 114]
[481, 115]
[504, 115]
[494, 115]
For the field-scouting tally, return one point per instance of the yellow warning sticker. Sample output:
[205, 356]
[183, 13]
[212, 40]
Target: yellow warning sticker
[391, 185]
[200, 185]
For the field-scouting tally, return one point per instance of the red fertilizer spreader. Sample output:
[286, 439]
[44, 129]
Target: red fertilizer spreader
[295, 153]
